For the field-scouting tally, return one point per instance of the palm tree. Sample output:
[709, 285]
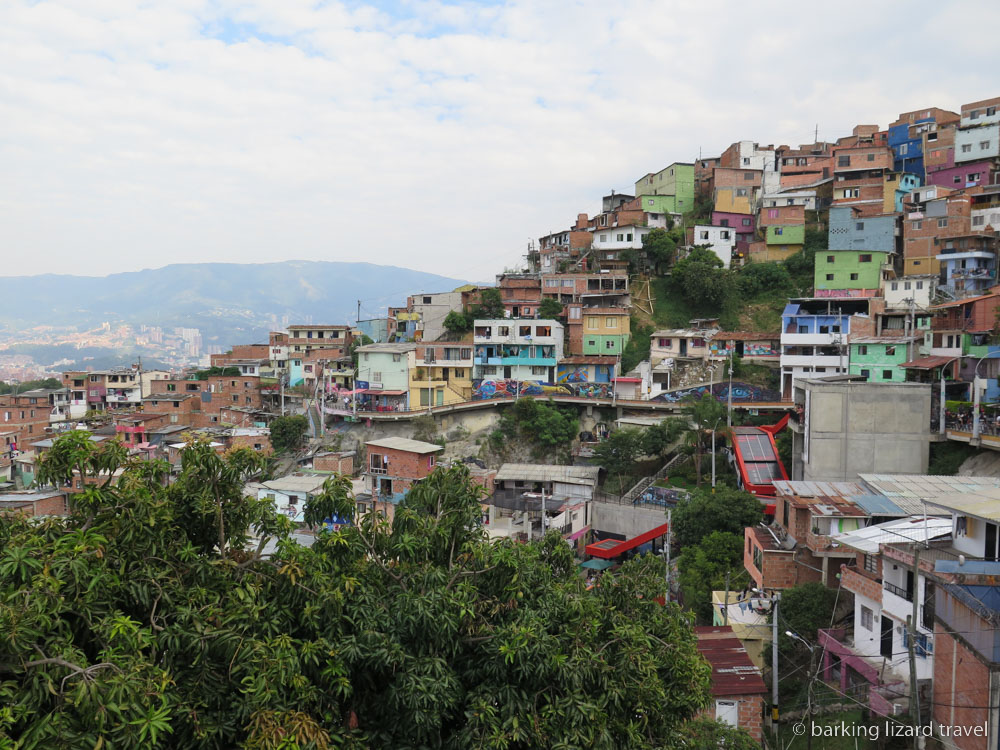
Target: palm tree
[702, 416]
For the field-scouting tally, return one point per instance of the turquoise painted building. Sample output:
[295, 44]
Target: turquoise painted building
[880, 359]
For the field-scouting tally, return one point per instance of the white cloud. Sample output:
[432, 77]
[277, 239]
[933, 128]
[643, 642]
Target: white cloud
[438, 135]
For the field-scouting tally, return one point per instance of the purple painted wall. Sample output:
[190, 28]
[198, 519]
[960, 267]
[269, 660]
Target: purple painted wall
[987, 169]
[735, 222]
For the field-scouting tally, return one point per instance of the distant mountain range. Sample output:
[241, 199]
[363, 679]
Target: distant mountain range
[229, 302]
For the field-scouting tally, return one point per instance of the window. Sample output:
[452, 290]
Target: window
[862, 349]
[430, 461]
[854, 277]
[843, 161]
[611, 322]
[895, 286]
[920, 285]
[377, 377]
[779, 230]
[978, 221]
[620, 237]
[984, 144]
[902, 149]
[871, 157]
[396, 357]
[703, 235]
[427, 300]
[829, 277]
[865, 373]
[628, 237]
[966, 148]
[604, 238]
[865, 258]
[741, 192]
[972, 177]
[867, 616]
[871, 563]
[592, 342]
[746, 160]
[916, 225]
[724, 235]
[610, 344]
[538, 370]
[942, 223]
[543, 330]
[961, 525]
[748, 175]
[649, 202]
[502, 331]
[724, 222]
[830, 258]
[772, 213]
[171, 386]
[859, 226]
[886, 374]
[746, 222]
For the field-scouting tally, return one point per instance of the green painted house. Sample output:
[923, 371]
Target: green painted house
[786, 235]
[880, 359]
[849, 269]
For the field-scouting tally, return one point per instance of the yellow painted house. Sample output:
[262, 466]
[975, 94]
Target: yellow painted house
[441, 374]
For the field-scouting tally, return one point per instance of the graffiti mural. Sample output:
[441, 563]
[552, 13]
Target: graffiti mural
[742, 393]
[592, 390]
[487, 389]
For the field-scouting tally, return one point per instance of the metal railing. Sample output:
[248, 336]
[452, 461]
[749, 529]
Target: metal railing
[898, 591]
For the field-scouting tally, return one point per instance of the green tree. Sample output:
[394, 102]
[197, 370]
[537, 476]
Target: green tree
[121, 629]
[724, 510]
[701, 280]
[362, 340]
[759, 279]
[288, 432]
[702, 415]
[702, 569]
[618, 453]
[660, 248]
[30, 385]
[542, 423]
[458, 322]
[550, 308]
[490, 305]
[637, 348]
[804, 610]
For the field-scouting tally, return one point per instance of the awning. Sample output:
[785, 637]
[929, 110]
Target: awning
[597, 564]
[927, 363]
[627, 380]
[370, 392]
[612, 548]
[577, 534]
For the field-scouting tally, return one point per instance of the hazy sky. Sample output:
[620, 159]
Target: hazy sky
[421, 134]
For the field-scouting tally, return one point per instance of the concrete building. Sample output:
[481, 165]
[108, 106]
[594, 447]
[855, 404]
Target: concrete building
[849, 427]
[680, 343]
[516, 503]
[720, 240]
[384, 373]
[517, 349]
[442, 374]
[814, 335]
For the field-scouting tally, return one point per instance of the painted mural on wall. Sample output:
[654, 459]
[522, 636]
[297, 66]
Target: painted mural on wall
[750, 348]
[742, 393]
[487, 389]
[582, 374]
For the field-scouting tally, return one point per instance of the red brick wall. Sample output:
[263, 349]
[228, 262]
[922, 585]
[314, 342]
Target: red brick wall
[751, 713]
[252, 442]
[339, 462]
[27, 420]
[857, 582]
[735, 178]
[402, 465]
[971, 687]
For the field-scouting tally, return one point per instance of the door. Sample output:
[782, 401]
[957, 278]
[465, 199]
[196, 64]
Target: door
[990, 550]
[909, 586]
[506, 373]
[684, 347]
[440, 397]
[885, 647]
[727, 712]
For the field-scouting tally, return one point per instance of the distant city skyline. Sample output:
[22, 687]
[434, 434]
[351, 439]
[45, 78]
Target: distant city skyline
[428, 135]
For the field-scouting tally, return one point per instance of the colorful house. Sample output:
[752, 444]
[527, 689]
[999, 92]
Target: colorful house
[393, 466]
[524, 350]
[384, 374]
[880, 359]
[753, 347]
[586, 369]
[441, 374]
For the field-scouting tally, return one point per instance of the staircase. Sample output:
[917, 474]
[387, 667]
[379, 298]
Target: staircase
[630, 497]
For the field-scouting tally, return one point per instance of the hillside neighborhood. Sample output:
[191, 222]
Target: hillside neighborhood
[775, 370]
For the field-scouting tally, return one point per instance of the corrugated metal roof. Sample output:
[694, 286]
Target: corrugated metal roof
[877, 505]
[913, 529]
[984, 503]
[405, 444]
[544, 473]
[732, 671]
[824, 498]
[911, 491]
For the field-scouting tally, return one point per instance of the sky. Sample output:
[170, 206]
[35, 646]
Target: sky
[443, 136]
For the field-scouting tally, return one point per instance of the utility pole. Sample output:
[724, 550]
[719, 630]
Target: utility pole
[281, 385]
[911, 626]
[670, 533]
[775, 601]
[725, 603]
[543, 511]
[729, 412]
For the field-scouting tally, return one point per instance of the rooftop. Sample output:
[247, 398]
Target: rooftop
[823, 498]
[910, 491]
[545, 473]
[405, 444]
[394, 348]
[732, 671]
[308, 483]
[913, 529]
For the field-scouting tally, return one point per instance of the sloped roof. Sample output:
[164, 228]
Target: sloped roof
[405, 444]
[544, 473]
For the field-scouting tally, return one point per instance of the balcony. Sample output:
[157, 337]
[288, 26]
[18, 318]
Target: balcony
[898, 591]
[821, 339]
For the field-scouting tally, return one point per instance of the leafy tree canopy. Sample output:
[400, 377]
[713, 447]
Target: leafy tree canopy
[288, 432]
[756, 279]
[122, 625]
[550, 308]
[30, 385]
[703, 567]
[724, 510]
[700, 279]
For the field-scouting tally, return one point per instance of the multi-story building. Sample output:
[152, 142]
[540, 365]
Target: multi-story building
[393, 466]
[306, 338]
[675, 181]
[605, 330]
[720, 240]
[682, 343]
[859, 177]
[898, 185]
[861, 254]
[442, 374]
[814, 337]
[384, 374]
[521, 293]
[704, 170]
[518, 349]
[784, 230]
[602, 289]
[906, 136]
[737, 190]
[880, 359]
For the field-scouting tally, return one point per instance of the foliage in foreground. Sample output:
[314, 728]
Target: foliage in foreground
[149, 618]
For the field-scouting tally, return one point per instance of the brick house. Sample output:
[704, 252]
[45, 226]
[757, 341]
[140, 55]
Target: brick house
[394, 465]
[35, 503]
[738, 689]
